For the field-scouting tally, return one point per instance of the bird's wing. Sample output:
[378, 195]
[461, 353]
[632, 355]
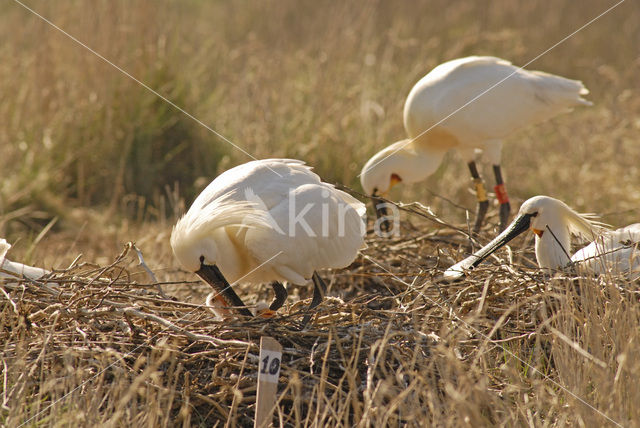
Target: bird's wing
[617, 251]
[244, 194]
[269, 178]
[487, 98]
[318, 227]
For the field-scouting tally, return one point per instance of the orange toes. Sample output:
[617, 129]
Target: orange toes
[265, 313]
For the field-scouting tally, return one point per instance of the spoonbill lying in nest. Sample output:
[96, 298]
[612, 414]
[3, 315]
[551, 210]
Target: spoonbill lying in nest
[268, 221]
[468, 104]
[553, 223]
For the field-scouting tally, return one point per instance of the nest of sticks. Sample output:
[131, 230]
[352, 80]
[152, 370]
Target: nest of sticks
[388, 344]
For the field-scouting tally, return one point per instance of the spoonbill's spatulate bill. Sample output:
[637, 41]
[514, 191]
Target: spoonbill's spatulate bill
[468, 104]
[268, 221]
[553, 223]
[14, 269]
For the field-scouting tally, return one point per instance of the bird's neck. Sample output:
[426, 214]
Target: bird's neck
[436, 139]
[553, 249]
[418, 162]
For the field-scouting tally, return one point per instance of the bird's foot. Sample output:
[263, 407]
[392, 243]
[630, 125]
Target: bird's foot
[266, 313]
[263, 311]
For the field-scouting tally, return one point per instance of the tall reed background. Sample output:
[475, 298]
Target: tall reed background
[90, 159]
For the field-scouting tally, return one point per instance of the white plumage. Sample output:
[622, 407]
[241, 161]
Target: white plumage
[269, 220]
[467, 104]
[617, 251]
[15, 269]
[500, 98]
[553, 222]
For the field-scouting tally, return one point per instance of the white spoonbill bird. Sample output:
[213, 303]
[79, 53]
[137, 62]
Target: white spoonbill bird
[468, 104]
[265, 221]
[9, 269]
[553, 223]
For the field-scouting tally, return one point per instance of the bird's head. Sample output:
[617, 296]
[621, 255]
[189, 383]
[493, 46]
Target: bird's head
[551, 220]
[380, 174]
[547, 213]
[384, 170]
[540, 210]
[193, 251]
[199, 254]
[403, 161]
[194, 243]
[193, 237]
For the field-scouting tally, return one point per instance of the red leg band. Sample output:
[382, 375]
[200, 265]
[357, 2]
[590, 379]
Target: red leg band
[501, 193]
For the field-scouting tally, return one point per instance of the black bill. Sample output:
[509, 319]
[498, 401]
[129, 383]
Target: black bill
[212, 275]
[519, 225]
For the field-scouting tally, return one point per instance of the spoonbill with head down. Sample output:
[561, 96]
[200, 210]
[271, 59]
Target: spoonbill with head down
[265, 221]
[468, 104]
[553, 222]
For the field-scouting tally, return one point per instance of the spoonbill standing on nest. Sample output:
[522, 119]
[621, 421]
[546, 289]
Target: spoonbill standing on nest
[553, 222]
[268, 221]
[468, 104]
[9, 269]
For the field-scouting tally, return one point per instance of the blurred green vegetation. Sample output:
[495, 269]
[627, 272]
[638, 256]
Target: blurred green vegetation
[322, 81]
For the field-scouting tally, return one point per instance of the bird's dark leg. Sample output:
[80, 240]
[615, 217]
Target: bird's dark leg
[280, 295]
[503, 198]
[319, 290]
[481, 195]
[379, 206]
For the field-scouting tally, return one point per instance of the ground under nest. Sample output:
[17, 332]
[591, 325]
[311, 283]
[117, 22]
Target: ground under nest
[390, 344]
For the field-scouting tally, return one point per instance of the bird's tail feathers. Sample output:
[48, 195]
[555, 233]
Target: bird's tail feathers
[560, 90]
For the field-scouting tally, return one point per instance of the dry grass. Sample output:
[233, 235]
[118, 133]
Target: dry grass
[91, 160]
[391, 346]
[318, 81]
